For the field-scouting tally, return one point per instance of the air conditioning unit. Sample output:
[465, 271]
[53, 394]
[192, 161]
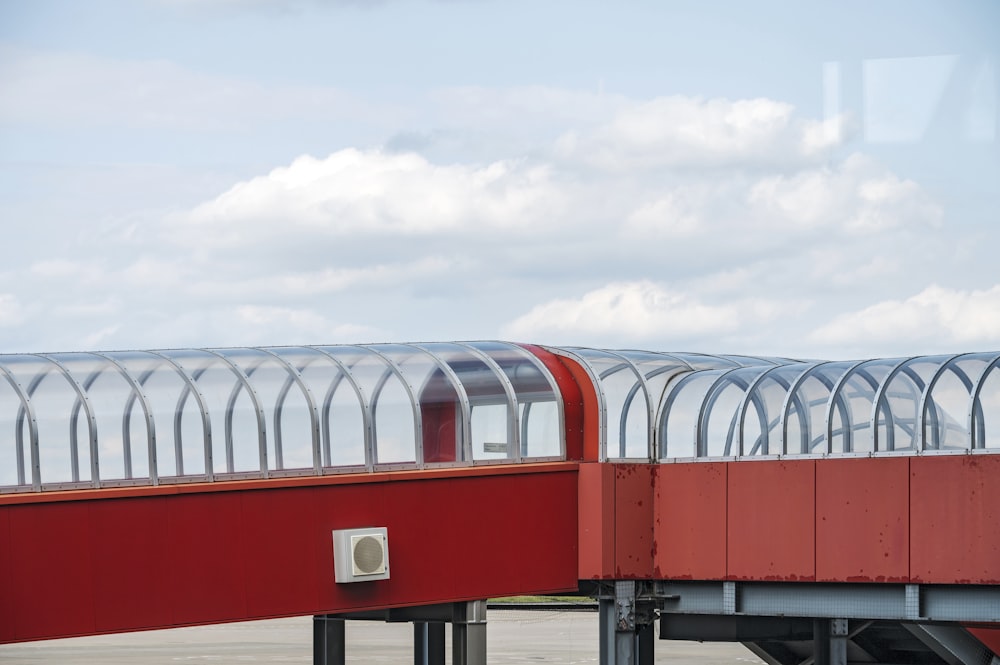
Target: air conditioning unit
[361, 555]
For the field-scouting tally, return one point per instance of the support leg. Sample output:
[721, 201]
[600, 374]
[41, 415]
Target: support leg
[830, 641]
[645, 643]
[428, 643]
[329, 646]
[468, 634]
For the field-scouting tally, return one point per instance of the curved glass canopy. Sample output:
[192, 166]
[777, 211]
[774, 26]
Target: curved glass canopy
[675, 406]
[150, 417]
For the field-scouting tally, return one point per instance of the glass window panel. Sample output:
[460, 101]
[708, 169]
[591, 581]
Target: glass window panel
[899, 413]
[340, 407]
[627, 430]
[13, 466]
[540, 429]
[235, 428]
[53, 398]
[680, 413]
[857, 394]
[286, 411]
[438, 400]
[989, 399]
[489, 431]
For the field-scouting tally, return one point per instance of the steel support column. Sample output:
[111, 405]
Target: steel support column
[468, 634]
[625, 639]
[830, 641]
[329, 646]
[428, 643]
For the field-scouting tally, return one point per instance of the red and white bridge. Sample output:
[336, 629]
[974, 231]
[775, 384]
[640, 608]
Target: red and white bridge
[826, 512]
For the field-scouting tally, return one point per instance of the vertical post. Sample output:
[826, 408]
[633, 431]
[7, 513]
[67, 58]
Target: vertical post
[838, 642]
[468, 634]
[606, 625]
[329, 645]
[830, 641]
[621, 642]
[645, 645]
[428, 643]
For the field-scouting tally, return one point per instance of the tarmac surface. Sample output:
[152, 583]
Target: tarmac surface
[513, 637]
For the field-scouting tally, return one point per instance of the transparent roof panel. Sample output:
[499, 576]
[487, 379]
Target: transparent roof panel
[146, 417]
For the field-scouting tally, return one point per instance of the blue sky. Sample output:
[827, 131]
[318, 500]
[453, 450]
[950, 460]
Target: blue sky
[781, 178]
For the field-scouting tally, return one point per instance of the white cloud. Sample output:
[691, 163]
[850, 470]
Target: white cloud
[375, 193]
[856, 196]
[637, 311]
[935, 318]
[683, 131]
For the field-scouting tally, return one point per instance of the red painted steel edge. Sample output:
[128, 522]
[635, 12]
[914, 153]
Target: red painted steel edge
[112, 563]
[579, 401]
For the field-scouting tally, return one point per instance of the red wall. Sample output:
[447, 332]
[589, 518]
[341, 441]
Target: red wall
[117, 560]
[926, 519]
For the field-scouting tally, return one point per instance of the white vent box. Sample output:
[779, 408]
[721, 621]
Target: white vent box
[361, 555]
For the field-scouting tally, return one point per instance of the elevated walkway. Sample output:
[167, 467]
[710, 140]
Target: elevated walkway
[719, 495]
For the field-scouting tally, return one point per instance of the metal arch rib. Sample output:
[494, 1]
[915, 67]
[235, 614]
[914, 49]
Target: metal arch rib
[418, 424]
[925, 397]
[879, 401]
[976, 419]
[514, 421]
[366, 410]
[463, 398]
[137, 392]
[27, 408]
[255, 399]
[296, 376]
[701, 423]
[836, 396]
[190, 387]
[650, 410]
[602, 403]
[793, 389]
[748, 396]
[655, 406]
[670, 397]
[95, 466]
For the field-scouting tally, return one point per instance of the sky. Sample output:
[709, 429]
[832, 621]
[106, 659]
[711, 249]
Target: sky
[811, 180]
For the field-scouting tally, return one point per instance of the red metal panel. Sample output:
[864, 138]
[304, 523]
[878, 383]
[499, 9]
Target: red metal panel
[280, 547]
[546, 514]
[52, 556]
[596, 506]
[633, 521]
[267, 551]
[690, 521]
[7, 612]
[771, 520]
[418, 517]
[863, 520]
[206, 569]
[439, 435]
[132, 565]
[579, 401]
[954, 513]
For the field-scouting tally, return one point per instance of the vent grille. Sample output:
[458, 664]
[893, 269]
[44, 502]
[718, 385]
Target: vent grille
[368, 556]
